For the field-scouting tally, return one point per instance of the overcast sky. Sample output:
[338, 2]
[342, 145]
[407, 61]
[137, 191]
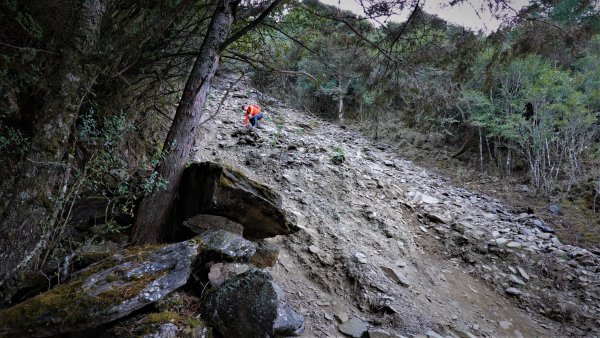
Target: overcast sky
[464, 14]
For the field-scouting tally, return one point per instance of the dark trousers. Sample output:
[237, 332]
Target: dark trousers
[254, 119]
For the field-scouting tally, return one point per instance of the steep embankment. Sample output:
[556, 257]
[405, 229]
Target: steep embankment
[397, 247]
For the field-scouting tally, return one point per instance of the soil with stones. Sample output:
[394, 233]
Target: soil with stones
[388, 247]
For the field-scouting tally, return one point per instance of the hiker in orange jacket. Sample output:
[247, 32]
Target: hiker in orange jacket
[253, 115]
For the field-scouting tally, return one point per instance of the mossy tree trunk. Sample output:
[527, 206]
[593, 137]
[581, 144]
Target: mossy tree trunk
[27, 220]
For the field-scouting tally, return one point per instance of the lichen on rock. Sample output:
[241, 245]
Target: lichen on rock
[105, 291]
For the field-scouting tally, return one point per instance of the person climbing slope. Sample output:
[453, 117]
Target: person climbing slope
[253, 115]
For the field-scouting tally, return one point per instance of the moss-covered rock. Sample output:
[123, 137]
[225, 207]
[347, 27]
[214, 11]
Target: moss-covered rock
[103, 292]
[161, 324]
[214, 189]
[251, 305]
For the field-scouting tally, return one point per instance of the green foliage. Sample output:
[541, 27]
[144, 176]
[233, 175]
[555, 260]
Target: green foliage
[13, 142]
[563, 125]
[338, 155]
[107, 172]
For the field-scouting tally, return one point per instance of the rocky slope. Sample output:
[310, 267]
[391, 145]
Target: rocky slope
[388, 247]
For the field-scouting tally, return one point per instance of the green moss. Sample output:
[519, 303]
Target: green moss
[68, 304]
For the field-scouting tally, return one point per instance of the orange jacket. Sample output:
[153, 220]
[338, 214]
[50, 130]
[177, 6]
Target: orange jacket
[251, 110]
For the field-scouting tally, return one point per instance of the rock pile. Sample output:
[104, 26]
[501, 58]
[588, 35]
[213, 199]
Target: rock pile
[241, 300]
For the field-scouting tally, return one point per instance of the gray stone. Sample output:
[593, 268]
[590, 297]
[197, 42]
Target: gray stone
[250, 305]
[221, 272]
[288, 322]
[381, 333]
[544, 236]
[514, 245]
[341, 317]
[228, 245]
[200, 223]
[214, 189]
[354, 327]
[514, 291]
[360, 257]
[433, 334]
[400, 263]
[555, 209]
[429, 199]
[516, 280]
[462, 333]
[103, 292]
[501, 241]
[505, 324]
[396, 276]
[523, 273]
[166, 330]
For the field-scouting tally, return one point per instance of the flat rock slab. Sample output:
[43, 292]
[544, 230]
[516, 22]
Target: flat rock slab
[103, 292]
[227, 245]
[354, 327]
[210, 188]
[200, 223]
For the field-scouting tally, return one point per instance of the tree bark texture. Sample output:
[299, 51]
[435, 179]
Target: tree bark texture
[156, 208]
[28, 219]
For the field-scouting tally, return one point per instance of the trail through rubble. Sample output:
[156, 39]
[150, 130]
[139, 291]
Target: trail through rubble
[387, 247]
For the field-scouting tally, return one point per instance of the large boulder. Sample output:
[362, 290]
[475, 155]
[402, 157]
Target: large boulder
[251, 305]
[103, 292]
[213, 189]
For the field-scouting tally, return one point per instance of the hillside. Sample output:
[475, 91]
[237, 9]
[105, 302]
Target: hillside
[397, 247]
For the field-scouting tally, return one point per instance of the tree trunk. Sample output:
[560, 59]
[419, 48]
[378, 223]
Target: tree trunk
[156, 208]
[32, 214]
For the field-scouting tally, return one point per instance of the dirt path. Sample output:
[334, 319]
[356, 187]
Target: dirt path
[387, 242]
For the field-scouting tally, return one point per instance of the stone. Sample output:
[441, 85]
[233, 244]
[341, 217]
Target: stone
[200, 223]
[380, 333]
[360, 257]
[501, 241]
[514, 245]
[523, 273]
[544, 227]
[433, 334]
[555, 209]
[266, 255]
[354, 327]
[516, 280]
[288, 322]
[429, 199]
[341, 317]
[505, 324]
[439, 218]
[213, 189]
[314, 249]
[544, 235]
[221, 272]
[166, 330]
[400, 264]
[227, 245]
[103, 292]
[250, 305]
[514, 291]
[462, 333]
[395, 276]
